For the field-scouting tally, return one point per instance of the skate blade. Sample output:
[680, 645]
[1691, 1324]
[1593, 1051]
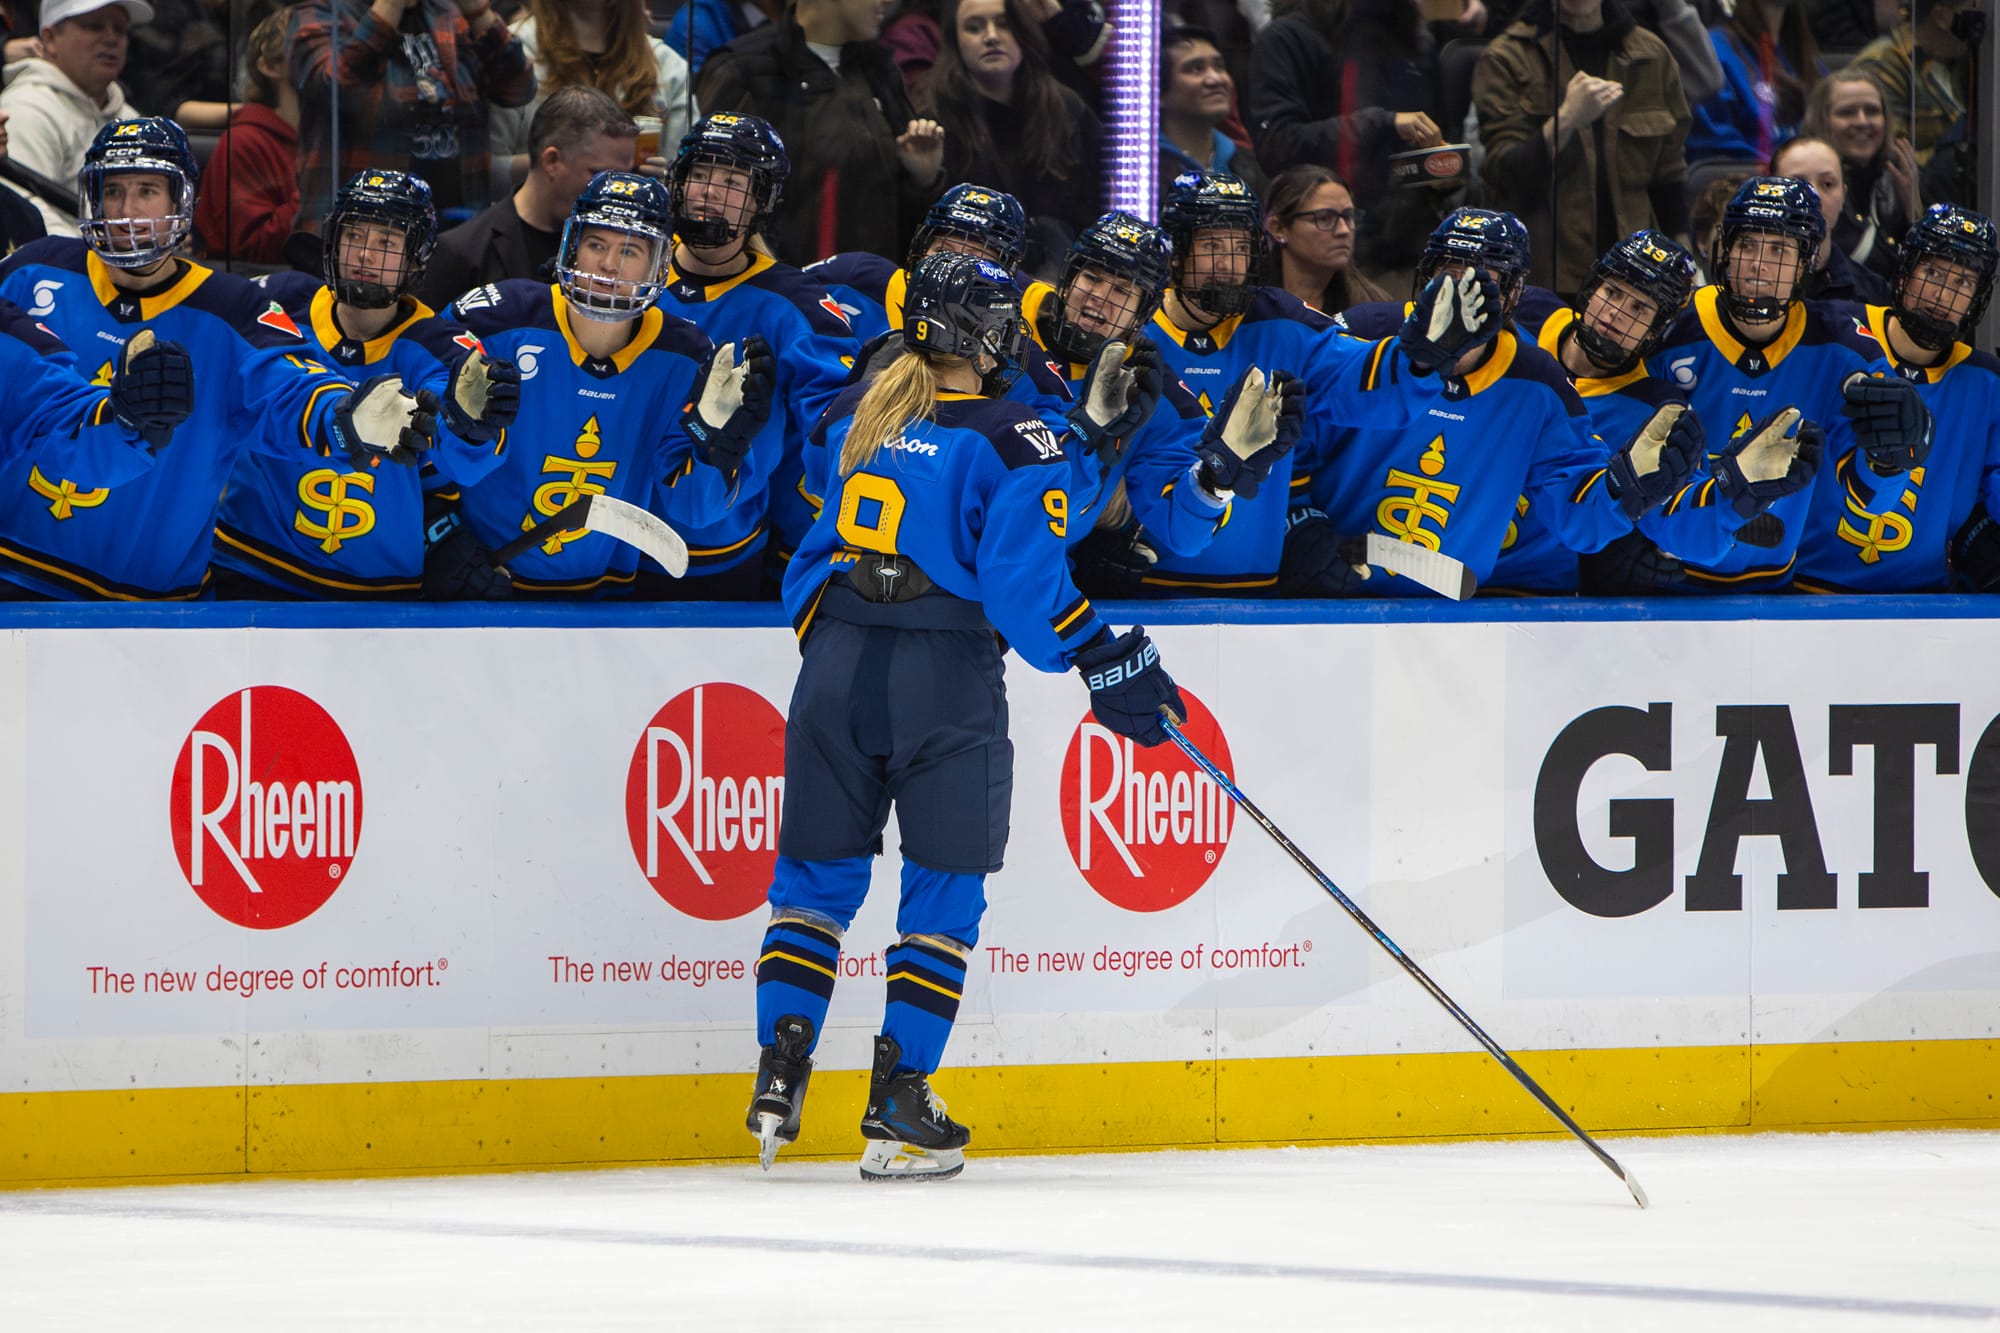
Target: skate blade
[768, 1142]
[904, 1161]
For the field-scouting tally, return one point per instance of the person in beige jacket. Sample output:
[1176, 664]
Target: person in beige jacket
[60, 99]
[1592, 102]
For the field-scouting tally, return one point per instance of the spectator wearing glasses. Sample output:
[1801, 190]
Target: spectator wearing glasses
[1197, 97]
[1311, 217]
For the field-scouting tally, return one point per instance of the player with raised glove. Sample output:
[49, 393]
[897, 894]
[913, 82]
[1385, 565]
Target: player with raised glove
[730, 403]
[1128, 686]
[152, 391]
[382, 420]
[1259, 423]
[1318, 561]
[1117, 396]
[1892, 426]
[1451, 317]
[485, 397]
[1769, 460]
[1657, 461]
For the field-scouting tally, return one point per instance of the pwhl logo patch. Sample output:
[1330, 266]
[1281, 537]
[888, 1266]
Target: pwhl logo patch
[266, 807]
[1145, 826]
[703, 797]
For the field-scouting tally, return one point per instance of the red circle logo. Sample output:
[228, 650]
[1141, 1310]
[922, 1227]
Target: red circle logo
[266, 807]
[703, 797]
[1146, 827]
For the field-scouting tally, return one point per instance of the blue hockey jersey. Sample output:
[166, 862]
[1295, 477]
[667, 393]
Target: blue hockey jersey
[977, 498]
[258, 385]
[606, 427]
[1508, 438]
[868, 288]
[814, 349]
[1875, 534]
[56, 420]
[1348, 382]
[320, 527]
[1733, 386]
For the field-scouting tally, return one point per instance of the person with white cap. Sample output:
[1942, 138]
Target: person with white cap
[60, 99]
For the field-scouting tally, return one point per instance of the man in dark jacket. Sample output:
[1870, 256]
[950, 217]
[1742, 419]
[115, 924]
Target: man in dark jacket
[576, 133]
[864, 167]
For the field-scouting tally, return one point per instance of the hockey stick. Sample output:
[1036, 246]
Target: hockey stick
[614, 518]
[1207, 766]
[1435, 570]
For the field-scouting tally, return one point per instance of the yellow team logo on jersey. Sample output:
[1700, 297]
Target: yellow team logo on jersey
[1412, 502]
[102, 379]
[63, 496]
[586, 474]
[1514, 524]
[1876, 535]
[1432, 463]
[343, 517]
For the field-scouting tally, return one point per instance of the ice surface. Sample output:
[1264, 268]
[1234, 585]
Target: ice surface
[1862, 1232]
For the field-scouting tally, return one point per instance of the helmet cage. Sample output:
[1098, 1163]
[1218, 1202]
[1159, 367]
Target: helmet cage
[1205, 201]
[1117, 246]
[1479, 238]
[134, 243]
[989, 219]
[1655, 267]
[1953, 235]
[1774, 206]
[387, 199]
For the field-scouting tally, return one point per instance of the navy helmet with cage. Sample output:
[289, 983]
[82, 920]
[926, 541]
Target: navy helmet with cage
[1483, 239]
[961, 305]
[1656, 267]
[149, 145]
[1121, 246]
[991, 219]
[1774, 206]
[630, 204]
[393, 199]
[1949, 234]
[742, 143]
[1208, 201]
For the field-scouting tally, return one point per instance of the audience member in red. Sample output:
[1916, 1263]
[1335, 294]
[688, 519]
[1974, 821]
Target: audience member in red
[251, 193]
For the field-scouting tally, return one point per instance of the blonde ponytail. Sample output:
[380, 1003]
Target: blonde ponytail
[1117, 510]
[903, 393]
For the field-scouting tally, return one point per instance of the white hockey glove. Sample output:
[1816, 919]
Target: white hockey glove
[1450, 318]
[1776, 457]
[382, 420]
[1259, 423]
[731, 403]
[484, 399]
[1119, 395]
[1657, 461]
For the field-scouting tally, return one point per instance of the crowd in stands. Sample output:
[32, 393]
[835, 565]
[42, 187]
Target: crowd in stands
[1357, 126]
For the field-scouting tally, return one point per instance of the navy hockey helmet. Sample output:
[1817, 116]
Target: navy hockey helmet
[961, 305]
[1922, 304]
[990, 219]
[710, 212]
[1774, 206]
[1208, 201]
[1652, 265]
[1481, 238]
[1117, 246]
[393, 199]
[614, 281]
[151, 145]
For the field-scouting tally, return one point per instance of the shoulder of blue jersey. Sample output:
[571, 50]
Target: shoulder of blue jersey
[1277, 303]
[248, 309]
[1843, 323]
[516, 303]
[1532, 363]
[1372, 319]
[63, 252]
[23, 328]
[865, 272]
[291, 289]
[807, 294]
[1534, 308]
[1015, 430]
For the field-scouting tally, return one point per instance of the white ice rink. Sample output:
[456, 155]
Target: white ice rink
[1860, 1232]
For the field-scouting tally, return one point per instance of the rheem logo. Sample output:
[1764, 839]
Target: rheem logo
[703, 797]
[1145, 826]
[266, 807]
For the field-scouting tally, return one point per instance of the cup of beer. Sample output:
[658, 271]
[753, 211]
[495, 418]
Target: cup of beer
[649, 139]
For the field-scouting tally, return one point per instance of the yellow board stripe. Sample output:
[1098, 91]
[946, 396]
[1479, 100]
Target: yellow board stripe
[349, 1129]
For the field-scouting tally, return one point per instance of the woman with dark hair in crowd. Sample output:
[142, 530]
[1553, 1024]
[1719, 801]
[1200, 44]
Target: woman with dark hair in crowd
[1769, 63]
[1310, 215]
[1849, 110]
[1008, 123]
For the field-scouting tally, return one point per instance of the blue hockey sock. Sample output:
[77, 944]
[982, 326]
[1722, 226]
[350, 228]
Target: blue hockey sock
[796, 968]
[926, 981]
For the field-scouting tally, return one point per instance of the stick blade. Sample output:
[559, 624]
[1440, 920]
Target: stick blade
[1433, 569]
[1638, 1193]
[637, 527]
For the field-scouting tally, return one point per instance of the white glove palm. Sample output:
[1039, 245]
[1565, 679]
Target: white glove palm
[1646, 445]
[1767, 455]
[1460, 301]
[723, 392]
[1253, 421]
[1109, 385]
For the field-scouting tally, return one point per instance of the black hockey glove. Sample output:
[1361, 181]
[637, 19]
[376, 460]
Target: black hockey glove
[1449, 319]
[1630, 566]
[1767, 461]
[730, 403]
[1259, 423]
[1117, 397]
[484, 398]
[1975, 551]
[1076, 31]
[1128, 685]
[457, 565]
[382, 420]
[1657, 461]
[1317, 560]
[1112, 563]
[1892, 426]
[152, 391]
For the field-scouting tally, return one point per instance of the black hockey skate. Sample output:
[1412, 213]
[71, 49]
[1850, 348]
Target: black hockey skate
[783, 1071]
[910, 1137]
